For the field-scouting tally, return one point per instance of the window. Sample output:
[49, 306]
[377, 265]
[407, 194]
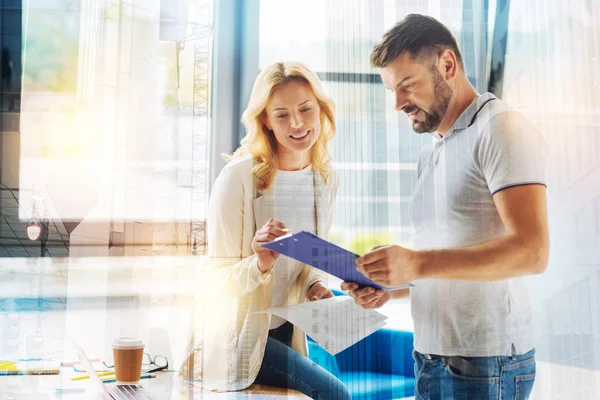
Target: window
[356, 182]
[596, 142]
[374, 151]
[597, 207]
[116, 126]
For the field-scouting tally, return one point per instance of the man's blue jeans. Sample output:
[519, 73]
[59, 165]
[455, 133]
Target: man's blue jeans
[474, 377]
[284, 367]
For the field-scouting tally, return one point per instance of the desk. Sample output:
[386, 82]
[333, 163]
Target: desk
[167, 385]
[270, 390]
[95, 300]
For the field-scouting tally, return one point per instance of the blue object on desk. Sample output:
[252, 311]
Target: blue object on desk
[378, 367]
[312, 250]
[42, 304]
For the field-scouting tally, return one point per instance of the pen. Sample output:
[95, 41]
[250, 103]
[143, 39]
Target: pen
[144, 376]
[78, 378]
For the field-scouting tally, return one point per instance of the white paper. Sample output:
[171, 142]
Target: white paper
[335, 323]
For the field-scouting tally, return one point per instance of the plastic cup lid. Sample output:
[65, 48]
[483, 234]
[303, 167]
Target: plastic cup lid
[127, 343]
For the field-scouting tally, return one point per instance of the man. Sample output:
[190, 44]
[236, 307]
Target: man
[479, 213]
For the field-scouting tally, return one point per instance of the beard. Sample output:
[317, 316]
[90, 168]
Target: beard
[443, 94]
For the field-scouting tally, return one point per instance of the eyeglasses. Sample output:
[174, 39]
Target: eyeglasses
[159, 363]
[149, 364]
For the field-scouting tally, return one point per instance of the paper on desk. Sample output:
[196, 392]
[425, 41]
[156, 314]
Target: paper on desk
[335, 323]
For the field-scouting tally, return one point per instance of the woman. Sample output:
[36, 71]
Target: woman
[279, 181]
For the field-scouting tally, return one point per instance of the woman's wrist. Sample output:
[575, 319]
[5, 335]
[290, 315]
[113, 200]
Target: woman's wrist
[262, 268]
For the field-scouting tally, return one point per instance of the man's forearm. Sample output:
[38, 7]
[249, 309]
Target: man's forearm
[498, 259]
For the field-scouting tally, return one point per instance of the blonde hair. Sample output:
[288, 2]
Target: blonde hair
[260, 141]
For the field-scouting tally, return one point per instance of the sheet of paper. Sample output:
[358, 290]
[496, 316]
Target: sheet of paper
[335, 323]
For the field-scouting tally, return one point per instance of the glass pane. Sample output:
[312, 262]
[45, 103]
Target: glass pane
[375, 150]
[114, 129]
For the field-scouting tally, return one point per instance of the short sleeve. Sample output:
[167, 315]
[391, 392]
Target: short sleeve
[512, 152]
[425, 154]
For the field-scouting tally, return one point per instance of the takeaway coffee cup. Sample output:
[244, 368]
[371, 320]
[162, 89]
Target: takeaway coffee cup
[128, 353]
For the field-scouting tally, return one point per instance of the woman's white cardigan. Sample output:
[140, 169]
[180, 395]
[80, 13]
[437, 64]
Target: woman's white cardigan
[230, 334]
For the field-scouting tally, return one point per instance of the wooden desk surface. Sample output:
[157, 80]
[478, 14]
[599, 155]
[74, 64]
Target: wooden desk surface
[262, 389]
[269, 390]
[166, 385]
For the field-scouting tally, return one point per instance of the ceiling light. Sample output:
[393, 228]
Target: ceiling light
[34, 229]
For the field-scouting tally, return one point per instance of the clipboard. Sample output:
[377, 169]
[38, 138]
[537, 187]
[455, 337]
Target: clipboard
[312, 250]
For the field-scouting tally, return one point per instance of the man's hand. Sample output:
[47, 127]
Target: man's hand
[318, 291]
[390, 265]
[366, 297]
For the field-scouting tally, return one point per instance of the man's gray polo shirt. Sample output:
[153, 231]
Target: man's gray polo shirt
[489, 148]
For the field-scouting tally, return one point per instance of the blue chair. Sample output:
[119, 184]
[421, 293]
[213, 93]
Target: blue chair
[378, 367]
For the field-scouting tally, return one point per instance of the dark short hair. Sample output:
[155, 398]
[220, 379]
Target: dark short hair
[421, 35]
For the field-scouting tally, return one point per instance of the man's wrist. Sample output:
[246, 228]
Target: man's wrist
[423, 263]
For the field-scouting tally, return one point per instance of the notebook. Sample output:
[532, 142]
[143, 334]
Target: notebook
[30, 367]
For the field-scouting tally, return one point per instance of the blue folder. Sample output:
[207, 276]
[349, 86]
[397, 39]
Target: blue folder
[312, 250]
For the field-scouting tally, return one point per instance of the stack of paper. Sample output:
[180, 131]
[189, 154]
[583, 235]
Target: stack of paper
[335, 323]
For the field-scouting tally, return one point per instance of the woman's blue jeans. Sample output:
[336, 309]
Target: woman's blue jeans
[284, 367]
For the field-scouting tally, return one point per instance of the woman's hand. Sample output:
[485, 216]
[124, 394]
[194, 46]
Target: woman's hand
[366, 297]
[318, 291]
[269, 232]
